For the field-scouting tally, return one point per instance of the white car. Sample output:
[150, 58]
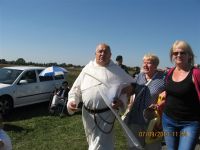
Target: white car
[22, 85]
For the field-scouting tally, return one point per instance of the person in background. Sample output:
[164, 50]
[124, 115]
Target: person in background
[98, 119]
[197, 65]
[147, 86]
[136, 71]
[5, 141]
[181, 115]
[119, 60]
[60, 94]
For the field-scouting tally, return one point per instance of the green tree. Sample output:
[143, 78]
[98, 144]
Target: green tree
[20, 61]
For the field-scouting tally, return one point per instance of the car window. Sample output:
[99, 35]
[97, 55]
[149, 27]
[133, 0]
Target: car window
[45, 78]
[8, 76]
[29, 76]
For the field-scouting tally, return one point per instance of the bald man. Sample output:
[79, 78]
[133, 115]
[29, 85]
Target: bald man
[98, 119]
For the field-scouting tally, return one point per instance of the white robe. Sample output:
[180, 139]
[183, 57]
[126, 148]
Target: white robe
[86, 89]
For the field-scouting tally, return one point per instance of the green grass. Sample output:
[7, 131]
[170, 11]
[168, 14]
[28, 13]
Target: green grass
[33, 128]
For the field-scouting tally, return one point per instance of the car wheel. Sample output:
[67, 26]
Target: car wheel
[5, 105]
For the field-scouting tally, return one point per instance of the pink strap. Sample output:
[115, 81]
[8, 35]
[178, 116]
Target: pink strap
[196, 76]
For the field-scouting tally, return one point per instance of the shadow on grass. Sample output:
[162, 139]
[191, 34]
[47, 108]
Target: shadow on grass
[10, 127]
[27, 112]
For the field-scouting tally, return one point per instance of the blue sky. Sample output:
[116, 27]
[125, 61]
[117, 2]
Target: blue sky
[67, 31]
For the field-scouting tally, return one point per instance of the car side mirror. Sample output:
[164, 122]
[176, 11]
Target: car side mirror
[23, 82]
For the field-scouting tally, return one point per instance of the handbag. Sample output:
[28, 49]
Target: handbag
[154, 130]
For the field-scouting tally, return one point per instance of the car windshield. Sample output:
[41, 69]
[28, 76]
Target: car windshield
[8, 76]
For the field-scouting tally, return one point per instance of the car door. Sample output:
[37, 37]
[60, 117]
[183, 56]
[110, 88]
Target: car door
[27, 89]
[47, 86]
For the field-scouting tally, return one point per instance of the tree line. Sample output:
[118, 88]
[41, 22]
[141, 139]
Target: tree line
[22, 62]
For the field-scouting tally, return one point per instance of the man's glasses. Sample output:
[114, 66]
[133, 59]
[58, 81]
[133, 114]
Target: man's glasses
[181, 53]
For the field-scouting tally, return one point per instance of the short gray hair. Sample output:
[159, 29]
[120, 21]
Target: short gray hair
[153, 58]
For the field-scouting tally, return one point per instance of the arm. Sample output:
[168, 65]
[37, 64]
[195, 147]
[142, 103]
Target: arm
[129, 90]
[74, 95]
[131, 101]
[122, 100]
[159, 106]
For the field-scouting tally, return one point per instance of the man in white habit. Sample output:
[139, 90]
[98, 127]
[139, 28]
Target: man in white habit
[98, 119]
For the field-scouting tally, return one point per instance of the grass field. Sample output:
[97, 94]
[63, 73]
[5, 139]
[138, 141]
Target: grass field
[33, 128]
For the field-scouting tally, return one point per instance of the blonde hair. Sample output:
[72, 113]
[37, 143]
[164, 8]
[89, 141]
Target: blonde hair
[153, 58]
[184, 46]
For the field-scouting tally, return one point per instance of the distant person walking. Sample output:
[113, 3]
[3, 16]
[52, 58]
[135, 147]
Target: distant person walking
[119, 60]
[181, 117]
[98, 119]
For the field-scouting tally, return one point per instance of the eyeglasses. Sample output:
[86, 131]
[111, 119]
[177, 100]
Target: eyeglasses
[176, 53]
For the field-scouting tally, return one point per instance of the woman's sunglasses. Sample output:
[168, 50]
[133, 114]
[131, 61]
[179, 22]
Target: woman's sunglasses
[181, 53]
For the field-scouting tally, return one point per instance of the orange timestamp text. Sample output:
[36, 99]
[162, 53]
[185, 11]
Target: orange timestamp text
[161, 134]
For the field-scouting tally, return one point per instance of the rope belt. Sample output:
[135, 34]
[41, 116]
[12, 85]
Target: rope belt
[94, 111]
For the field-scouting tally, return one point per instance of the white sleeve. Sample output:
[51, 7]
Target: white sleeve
[75, 91]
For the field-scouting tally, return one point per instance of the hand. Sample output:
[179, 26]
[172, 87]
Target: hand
[116, 103]
[72, 106]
